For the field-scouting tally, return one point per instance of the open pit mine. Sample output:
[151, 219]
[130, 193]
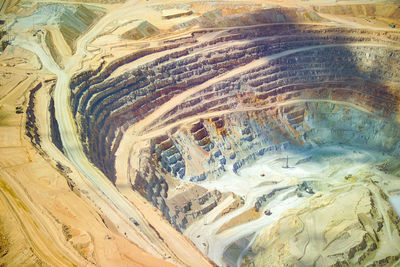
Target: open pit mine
[199, 133]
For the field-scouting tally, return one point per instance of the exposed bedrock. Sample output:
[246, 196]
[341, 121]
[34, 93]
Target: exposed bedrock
[234, 95]
[316, 235]
[105, 106]
[375, 10]
[208, 147]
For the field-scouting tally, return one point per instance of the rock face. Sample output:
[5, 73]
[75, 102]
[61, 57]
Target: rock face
[191, 204]
[226, 97]
[272, 15]
[139, 29]
[327, 72]
[369, 10]
[74, 22]
[31, 129]
[316, 234]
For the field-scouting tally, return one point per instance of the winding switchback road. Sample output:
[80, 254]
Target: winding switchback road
[125, 212]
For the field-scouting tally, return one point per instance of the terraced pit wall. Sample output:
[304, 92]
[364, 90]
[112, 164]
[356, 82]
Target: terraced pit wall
[254, 90]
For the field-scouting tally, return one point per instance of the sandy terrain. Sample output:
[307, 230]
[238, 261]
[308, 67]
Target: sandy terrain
[58, 208]
[155, 246]
[43, 220]
[324, 172]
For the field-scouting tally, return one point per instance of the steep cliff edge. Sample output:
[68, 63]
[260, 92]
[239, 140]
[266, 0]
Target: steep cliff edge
[201, 127]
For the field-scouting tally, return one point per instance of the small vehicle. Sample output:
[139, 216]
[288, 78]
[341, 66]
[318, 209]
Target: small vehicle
[134, 221]
[267, 212]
